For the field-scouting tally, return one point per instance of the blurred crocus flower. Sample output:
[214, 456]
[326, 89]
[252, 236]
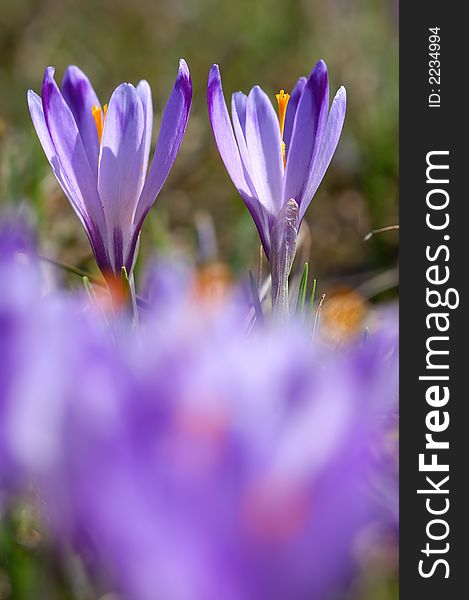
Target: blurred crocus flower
[277, 163]
[100, 155]
[185, 460]
[186, 473]
[34, 329]
[20, 288]
[222, 480]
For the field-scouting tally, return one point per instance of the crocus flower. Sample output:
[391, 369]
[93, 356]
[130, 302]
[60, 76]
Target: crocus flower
[100, 155]
[277, 163]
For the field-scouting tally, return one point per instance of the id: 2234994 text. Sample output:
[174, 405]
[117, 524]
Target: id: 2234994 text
[434, 67]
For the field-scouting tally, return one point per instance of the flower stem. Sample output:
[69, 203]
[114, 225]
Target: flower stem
[284, 236]
[280, 304]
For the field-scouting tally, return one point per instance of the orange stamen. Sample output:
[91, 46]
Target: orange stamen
[282, 100]
[99, 117]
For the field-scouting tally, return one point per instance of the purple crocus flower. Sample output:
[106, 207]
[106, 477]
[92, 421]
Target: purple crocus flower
[100, 155]
[277, 163]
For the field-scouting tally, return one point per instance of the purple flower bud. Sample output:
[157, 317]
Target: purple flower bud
[100, 155]
[270, 160]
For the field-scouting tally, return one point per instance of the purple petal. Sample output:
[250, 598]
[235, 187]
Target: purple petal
[121, 174]
[73, 164]
[81, 97]
[94, 235]
[233, 151]
[173, 126]
[223, 131]
[230, 153]
[239, 105]
[327, 148]
[265, 150]
[262, 217]
[68, 146]
[308, 128]
[144, 91]
[239, 102]
[291, 110]
[39, 122]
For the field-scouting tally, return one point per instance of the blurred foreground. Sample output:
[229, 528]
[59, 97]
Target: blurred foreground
[198, 455]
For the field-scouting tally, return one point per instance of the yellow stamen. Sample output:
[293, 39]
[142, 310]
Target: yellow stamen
[282, 100]
[99, 118]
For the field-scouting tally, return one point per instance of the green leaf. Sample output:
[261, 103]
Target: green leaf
[300, 303]
[73, 270]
